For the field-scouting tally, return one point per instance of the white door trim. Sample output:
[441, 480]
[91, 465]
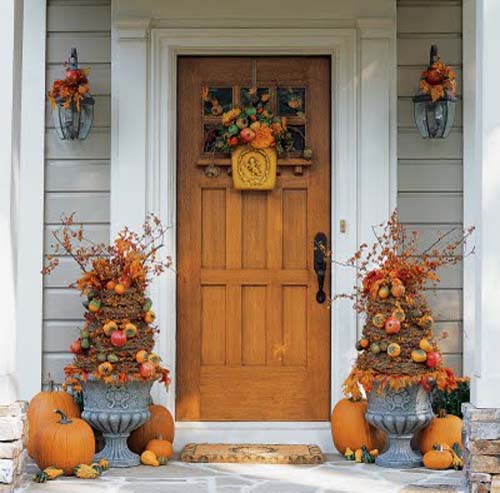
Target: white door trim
[144, 165]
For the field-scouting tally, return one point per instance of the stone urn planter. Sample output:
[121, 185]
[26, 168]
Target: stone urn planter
[400, 414]
[116, 410]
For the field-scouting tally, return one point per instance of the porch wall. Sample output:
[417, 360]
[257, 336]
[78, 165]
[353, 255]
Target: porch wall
[76, 173]
[430, 183]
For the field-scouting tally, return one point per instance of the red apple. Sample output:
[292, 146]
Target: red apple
[433, 359]
[392, 325]
[118, 338]
[76, 347]
[233, 141]
[247, 135]
[147, 369]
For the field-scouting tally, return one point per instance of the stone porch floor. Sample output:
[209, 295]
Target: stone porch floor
[335, 475]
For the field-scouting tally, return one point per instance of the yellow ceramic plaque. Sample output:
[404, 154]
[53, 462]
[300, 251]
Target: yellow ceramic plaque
[254, 169]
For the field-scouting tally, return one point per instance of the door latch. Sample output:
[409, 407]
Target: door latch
[320, 245]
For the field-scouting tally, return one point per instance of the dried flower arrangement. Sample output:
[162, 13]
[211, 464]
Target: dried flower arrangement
[398, 348]
[117, 338]
[251, 124]
[438, 80]
[70, 90]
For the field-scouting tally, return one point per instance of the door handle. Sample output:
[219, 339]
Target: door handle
[320, 244]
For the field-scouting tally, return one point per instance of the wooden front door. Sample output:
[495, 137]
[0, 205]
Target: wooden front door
[253, 344]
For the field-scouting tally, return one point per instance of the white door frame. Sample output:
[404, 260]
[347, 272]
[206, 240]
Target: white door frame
[363, 167]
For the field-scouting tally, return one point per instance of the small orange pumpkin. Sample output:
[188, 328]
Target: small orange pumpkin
[444, 429]
[64, 444]
[159, 423]
[438, 458]
[350, 428]
[41, 411]
[393, 350]
[161, 448]
[418, 355]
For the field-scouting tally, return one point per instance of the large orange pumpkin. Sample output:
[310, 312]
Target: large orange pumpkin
[64, 444]
[443, 429]
[350, 428]
[41, 411]
[160, 423]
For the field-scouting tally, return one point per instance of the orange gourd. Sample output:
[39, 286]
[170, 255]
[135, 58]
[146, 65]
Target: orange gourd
[161, 448]
[41, 411]
[159, 423]
[64, 444]
[444, 429]
[350, 428]
[438, 458]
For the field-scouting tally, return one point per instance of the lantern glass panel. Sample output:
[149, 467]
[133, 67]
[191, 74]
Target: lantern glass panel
[86, 118]
[434, 120]
[71, 124]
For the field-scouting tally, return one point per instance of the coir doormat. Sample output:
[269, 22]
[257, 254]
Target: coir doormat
[252, 453]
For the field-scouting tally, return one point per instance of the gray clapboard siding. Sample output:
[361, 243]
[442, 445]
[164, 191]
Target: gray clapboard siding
[449, 336]
[68, 17]
[412, 146]
[429, 17]
[92, 47]
[446, 304]
[430, 174]
[454, 361]
[57, 336]
[65, 274]
[77, 174]
[414, 49]
[430, 208]
[53, 366]
[95, 146]
[62, 304]
[89, 207]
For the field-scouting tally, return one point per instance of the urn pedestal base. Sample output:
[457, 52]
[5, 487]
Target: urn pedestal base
[399, 454]
[116, 451]
[400, 414]
[116, 410]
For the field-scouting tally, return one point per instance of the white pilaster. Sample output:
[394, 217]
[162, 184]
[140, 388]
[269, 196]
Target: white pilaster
[28, 349]
[10, 51]
[129, 123]
[377, 195]
[482, 192]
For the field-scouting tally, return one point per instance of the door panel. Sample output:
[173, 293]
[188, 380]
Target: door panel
[252, 342]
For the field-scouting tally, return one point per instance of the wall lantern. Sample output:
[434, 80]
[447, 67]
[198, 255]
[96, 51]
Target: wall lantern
[434, 106]
[72, 104]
